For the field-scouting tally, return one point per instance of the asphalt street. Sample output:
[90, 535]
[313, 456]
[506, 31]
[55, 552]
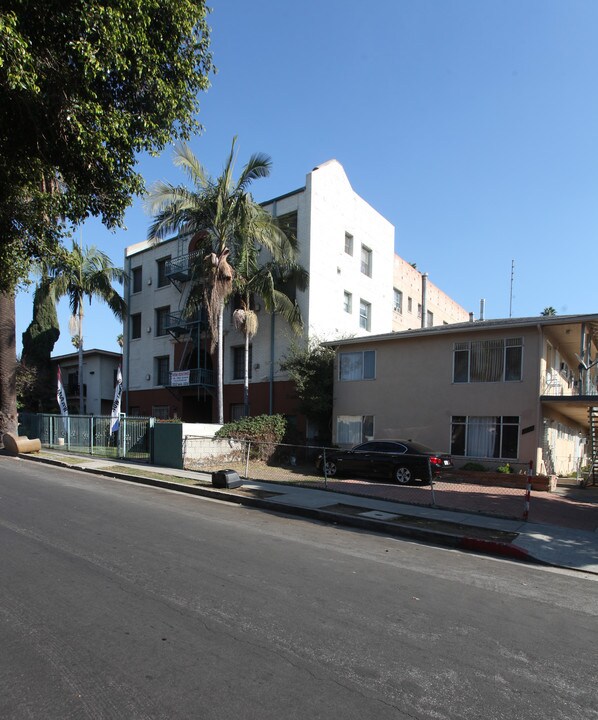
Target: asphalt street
[125, 601]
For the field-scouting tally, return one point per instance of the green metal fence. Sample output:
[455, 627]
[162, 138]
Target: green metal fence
[90, 434]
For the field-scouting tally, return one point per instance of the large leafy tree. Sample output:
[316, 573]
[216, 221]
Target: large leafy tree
[84, 87]
[218, 213]
[39, 393]
[311, 368]
[86, 273]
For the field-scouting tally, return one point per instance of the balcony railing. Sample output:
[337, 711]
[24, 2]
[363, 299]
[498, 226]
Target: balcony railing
[195, 376]
[555, 385]
[181, 267]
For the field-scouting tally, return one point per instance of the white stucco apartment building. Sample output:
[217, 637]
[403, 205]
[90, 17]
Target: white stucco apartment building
[358, 286]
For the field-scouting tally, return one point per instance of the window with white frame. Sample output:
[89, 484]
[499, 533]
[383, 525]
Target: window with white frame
[347, 302]
[410, 304]
[162, 370]
[161, 266]
[136, 279]
[348, 243]
[365, 314]
[357, 365]
[366, 261]
[162, 320]
[238, 361]
[162, 412]
[397, 303]
[354, 429]
[498, 360]
[485, 436]
[429, 319]
[419, 310]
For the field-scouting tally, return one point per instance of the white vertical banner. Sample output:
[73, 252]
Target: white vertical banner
[61, 395]
[118, 391]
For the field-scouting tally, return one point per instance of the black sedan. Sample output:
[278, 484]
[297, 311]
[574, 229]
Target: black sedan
[400, 460]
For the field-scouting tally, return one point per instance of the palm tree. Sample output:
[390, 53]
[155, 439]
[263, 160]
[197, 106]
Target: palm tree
[217, 213]
[548, 311]
[268, 281]
[86, 272]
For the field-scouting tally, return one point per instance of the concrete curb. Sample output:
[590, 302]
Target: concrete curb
[395, 529]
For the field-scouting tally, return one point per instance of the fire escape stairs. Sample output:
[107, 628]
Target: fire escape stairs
[593, 445]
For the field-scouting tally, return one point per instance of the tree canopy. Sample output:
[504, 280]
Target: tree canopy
[84, 87]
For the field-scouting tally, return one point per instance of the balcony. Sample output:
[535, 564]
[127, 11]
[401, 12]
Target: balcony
[179, 323]
[189, 378]
[180, 268]
[555, 385]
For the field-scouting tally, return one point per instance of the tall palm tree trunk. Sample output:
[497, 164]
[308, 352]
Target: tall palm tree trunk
[220, 366]
[8, 364]
[246, 378]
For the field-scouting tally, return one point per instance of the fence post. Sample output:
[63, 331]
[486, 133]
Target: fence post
[91, 435]
[247, 460]
[528, 490]
[431, 474]
[325, 469]
[68, 433]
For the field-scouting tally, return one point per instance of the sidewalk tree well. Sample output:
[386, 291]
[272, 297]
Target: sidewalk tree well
[84, 87]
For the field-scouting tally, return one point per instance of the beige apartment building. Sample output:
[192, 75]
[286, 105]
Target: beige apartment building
[493, 391]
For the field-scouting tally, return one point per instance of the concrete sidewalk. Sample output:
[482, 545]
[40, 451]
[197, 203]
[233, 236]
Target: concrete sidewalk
[542, 543]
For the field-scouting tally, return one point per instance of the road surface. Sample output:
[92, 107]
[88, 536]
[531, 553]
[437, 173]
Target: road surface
[121, 601]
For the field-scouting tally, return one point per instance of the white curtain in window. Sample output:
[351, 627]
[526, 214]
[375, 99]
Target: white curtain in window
[348, 429]
[481, 436]
[351, 366]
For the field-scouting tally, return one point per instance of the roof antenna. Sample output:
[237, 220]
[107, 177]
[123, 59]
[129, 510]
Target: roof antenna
[511, 294]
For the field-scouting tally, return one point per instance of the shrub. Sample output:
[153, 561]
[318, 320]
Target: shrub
[506, 468]
[263, 431]
[474, 466]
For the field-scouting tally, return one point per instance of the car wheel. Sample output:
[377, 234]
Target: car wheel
[330, 469]
[402, 475]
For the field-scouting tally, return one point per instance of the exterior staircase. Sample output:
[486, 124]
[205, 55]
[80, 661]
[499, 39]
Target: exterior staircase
[593, 446]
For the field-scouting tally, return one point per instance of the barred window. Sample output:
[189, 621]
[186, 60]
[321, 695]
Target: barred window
[488, 360]
[485, 436]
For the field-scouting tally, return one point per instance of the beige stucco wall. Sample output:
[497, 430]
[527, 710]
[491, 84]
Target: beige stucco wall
[408, 280]
[413, 395]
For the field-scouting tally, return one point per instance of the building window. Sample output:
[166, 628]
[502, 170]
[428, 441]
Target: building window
[485, 437]
[237, 411]
[397, 303]
[419, 310]
[429, 319]
[239, 362]
[409, 304]
[162, 320]
[162, 412]
[136, 326]
[137, 279]
[365, 314]
[348, 243]
[488, 361]
[162, 370]
[162, 277]
[357, 365]
[354, 429]
[348, 302]
[135, 411]
[366, 261]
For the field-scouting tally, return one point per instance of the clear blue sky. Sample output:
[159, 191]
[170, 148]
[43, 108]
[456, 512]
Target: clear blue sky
[472, 125]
